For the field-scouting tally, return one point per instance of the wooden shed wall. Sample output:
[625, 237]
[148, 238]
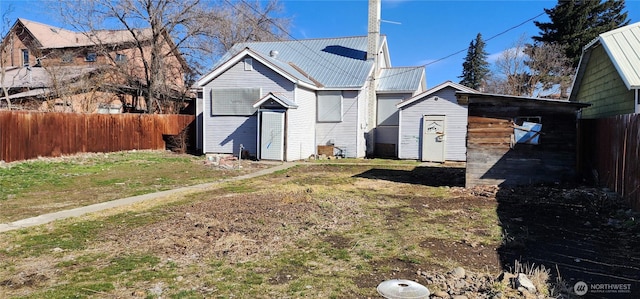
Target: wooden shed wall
[492, 159]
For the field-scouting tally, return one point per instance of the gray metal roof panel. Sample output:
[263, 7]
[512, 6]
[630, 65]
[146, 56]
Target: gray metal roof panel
[400, 79]
[333, 62]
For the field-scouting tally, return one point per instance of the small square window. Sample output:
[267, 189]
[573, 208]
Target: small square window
[91, 57]
[121, 58]
[248, 64]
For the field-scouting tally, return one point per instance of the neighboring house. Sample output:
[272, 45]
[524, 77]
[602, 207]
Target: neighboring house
[433, 126]
[518, 141]
[608, 75]
[50, 68]
[282, 100]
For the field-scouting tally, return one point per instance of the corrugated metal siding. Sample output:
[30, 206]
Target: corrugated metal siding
[343, 134]
[301, 126]
[603, 87]
[400, 79]
[334, 62]
[623, 45]
[411, 123]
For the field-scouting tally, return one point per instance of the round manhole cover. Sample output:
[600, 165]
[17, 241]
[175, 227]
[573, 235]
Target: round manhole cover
[402, 289]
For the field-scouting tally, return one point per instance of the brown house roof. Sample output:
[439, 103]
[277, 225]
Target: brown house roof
[51, 37]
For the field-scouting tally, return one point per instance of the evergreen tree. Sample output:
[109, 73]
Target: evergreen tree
[475, 67]
[574, 23]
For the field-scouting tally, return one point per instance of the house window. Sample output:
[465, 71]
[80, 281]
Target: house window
[248, 64]
[25, 57]
[91, 57]
[330, 106]
[527, 129]
[121, 58]
[234, 101]
[67, 57]
[387, 111]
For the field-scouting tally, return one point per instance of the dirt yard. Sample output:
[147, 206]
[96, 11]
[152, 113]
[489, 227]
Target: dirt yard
[331, 231]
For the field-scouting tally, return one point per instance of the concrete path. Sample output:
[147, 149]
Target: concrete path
[46, 218]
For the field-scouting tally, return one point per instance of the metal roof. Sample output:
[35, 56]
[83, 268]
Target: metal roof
[623, 47]
[400, 79]
[330, 62]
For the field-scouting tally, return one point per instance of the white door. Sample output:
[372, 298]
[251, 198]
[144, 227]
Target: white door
[272, 135]
[433, 138]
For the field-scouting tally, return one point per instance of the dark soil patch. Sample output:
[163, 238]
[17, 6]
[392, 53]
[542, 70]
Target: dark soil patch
[581, 233]
[475, 256]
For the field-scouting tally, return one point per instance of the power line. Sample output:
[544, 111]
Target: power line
[488, 39]
[396, 74]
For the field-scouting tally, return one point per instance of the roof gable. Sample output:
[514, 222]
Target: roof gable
[281, 100]
[622, 45]
[285, 70]
[441, 86]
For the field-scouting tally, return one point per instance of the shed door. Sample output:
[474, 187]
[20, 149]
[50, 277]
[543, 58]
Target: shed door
[272, 135]
[433, 137]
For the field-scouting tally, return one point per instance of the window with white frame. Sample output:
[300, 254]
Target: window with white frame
[330, 106]
[248, 64]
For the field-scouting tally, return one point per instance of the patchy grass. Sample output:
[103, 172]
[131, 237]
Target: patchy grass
[314, 230]
[36, 187]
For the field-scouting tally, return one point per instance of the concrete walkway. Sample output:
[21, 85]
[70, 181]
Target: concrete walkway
[46, 218]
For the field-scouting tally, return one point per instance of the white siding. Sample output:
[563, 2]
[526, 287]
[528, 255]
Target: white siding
[344, 133]
[224, 134]
[411, 122]
[301, 126]
[363, 125]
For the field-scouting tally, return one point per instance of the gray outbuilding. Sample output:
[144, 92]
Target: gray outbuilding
[433, 126]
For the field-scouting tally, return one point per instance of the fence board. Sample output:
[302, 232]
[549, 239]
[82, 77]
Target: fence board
[26, 135]
[610, 154]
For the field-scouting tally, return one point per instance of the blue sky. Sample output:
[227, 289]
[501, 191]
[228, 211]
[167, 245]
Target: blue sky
[428, 30]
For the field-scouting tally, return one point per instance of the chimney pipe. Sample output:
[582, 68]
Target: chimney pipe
[373, 36]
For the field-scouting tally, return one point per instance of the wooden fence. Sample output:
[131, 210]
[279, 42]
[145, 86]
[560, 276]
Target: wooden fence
[610, 154]
[27, 135]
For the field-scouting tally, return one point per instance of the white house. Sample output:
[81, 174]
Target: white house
[433, 126]
[281, 100]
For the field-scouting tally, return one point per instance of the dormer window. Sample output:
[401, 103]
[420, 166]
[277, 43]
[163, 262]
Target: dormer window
[91, 57]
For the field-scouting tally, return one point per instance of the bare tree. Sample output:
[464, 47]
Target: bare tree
[5, 45]
[532, 70]
[550, 69]
[510, 75]
[173, 39]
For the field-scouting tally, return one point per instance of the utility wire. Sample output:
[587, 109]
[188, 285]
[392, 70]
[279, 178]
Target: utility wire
[396, 74]
[488, 39]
